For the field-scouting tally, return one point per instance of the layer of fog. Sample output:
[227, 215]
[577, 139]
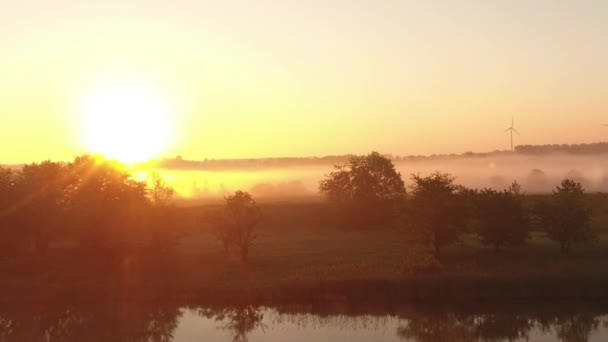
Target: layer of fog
[537, 174]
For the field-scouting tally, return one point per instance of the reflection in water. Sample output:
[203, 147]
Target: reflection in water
[573, 328]
[238, 321]
[454, 327]
[137, 322]
[108, 322]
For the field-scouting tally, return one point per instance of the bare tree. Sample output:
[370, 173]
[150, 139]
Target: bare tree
[159, 191]
[160, 232]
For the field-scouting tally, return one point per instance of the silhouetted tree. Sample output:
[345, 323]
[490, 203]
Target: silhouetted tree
[221, 229]
[159, 191]
[565, 217]
[437, 209]
[236, 225]
[7, 208]
[537, 180]
[502, 218]
[367, 188]
[159, 229]
[40, 203]
[106, 205]
[593, 148]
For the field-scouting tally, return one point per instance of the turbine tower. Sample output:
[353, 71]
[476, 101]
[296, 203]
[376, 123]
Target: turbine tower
[512, 129]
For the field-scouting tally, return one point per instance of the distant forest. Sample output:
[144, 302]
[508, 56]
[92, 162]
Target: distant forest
[178, 163]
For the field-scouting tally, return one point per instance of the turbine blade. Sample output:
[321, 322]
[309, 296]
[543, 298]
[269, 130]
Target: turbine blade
[514, 130]
[508, 129]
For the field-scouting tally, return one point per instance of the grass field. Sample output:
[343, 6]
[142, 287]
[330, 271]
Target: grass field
[304, 253]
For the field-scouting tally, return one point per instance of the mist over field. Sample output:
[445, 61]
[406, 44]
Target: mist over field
[537, 174]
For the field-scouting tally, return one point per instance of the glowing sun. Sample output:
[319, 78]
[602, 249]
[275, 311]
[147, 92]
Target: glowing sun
[127, 123]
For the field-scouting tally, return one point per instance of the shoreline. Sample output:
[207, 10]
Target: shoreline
[419, 289]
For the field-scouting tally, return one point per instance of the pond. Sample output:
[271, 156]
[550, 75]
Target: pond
[116, 321]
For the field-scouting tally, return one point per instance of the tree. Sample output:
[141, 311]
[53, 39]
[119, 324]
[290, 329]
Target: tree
[537, 180]
[159, 191]
[437, 209]
[502, 218]
[7, 208]
[220, 228]
[40, 203]
[367, 188]
[236, 225]
[565, 217]
[106, 205]
[159, 230]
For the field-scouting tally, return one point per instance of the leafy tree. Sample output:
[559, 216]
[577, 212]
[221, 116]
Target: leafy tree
[537, 181]
[7, 182]
[106, 205]
[7, 207]
[39, 206]
[221, 229]
[437, 209]
[237, 223]
[565, 217]
[367, 188]
[502, 218]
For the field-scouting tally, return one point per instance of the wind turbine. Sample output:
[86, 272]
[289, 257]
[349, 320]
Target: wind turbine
[512, 129]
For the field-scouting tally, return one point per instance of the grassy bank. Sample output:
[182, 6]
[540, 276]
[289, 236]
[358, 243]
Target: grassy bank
[304, 254]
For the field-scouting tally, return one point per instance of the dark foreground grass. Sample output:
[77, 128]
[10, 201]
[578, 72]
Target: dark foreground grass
[304, 255]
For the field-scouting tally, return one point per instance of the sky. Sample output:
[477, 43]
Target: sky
[248, 79]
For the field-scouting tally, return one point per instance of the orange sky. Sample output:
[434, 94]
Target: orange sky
[300, 78]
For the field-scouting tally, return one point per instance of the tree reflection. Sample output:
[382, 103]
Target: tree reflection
[440, 327]
[571, 328]
[240, 321]
[503, 327]
[98, 322]
[495, 327]
[151, 322]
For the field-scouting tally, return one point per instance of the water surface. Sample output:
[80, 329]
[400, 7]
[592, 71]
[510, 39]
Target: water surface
[168, 323]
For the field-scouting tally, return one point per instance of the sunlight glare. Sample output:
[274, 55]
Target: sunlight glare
[127, 122]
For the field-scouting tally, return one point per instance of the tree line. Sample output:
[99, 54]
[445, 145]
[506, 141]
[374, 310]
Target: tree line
[97, 206]
[179, 163]
[583, 149]
[368, 191]
[92, 202]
